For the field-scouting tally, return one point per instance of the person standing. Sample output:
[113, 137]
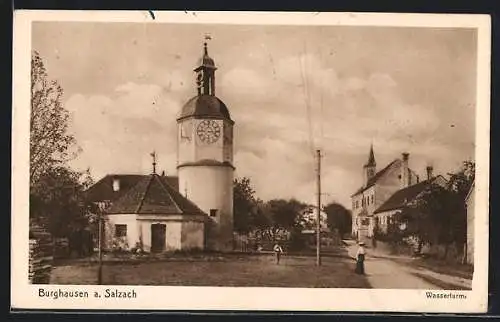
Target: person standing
[360, 259]
[278, 251]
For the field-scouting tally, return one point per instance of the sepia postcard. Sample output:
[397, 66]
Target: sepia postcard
[250, 161]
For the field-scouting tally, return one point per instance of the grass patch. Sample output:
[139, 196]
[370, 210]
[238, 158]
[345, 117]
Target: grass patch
[231, 270]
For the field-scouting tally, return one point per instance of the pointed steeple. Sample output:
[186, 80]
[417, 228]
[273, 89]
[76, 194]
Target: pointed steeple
[370, 168]
[371, 158]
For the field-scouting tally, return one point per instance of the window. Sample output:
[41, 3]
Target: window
[120, 230]
[213, 212]
[372, 199]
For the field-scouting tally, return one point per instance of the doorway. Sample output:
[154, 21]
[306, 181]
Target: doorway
[158, 237]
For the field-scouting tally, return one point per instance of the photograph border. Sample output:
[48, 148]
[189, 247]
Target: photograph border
[24, 295]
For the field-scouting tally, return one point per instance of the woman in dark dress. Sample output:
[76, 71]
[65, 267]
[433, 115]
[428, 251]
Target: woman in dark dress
[360, 259]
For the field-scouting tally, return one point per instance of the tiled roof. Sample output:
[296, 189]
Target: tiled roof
[374, 179]
[153, 195]
[103, 189]
[403, 196]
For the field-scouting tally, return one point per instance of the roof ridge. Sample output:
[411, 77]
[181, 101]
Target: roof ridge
[163, 185]
[374, 178]
[176, 192]
[139, 206]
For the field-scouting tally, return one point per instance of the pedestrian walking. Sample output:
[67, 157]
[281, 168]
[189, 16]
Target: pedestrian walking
[360, 259]
[278, 251]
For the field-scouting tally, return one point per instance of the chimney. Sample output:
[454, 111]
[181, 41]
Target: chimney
[405, 172]
[429, 172]
[116, 184]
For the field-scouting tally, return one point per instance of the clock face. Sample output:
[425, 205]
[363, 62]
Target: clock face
[208, 131]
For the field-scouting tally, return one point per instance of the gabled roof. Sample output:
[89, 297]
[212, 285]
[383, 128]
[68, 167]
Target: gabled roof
[153, 195]
[103, 189]
[375, 178]
[401, 197]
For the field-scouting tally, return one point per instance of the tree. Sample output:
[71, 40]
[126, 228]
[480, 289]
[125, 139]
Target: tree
[439, 216]
[50, 143]
[284, 218]
[58, 198]
[338, 217]
[245, 205]
[56, 192]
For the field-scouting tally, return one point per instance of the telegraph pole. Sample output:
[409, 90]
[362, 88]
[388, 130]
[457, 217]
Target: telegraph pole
[318, 218]
[100, 237]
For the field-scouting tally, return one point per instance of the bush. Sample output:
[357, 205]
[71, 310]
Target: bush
[297, 240]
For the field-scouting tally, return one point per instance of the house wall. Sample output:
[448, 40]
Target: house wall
[470, 227]
[133, 230]
[192, 235]
[383, 219]
[182, 231]
[172, 233]
[360, 202]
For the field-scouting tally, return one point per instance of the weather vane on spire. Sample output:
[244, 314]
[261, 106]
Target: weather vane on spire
[153, 154]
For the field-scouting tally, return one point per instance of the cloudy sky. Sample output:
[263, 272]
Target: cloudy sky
[402, 89]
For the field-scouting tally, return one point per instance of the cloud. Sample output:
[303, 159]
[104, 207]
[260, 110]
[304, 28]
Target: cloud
[118, 132]
[345, 116]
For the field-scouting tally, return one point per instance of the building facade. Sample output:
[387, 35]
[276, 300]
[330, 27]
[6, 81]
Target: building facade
[377, 188]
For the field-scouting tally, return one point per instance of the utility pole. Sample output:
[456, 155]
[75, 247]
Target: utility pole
[99, 220]
[318, 219]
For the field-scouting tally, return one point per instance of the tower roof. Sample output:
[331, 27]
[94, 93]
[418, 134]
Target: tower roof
[209, 106]
[152, 195]
[205, 60]
[371, 158]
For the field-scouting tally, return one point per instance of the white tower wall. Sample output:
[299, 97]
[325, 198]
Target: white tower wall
[211, 188]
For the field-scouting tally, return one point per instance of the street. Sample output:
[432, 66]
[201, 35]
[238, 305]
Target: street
[383, 271]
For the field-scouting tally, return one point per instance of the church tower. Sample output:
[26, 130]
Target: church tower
[205, 156]
[370, 168]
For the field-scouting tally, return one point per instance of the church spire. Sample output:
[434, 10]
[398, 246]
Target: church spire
[370, 167]
[371, 158]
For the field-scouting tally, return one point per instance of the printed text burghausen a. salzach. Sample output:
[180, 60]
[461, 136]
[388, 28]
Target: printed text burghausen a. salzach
[108, 293]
